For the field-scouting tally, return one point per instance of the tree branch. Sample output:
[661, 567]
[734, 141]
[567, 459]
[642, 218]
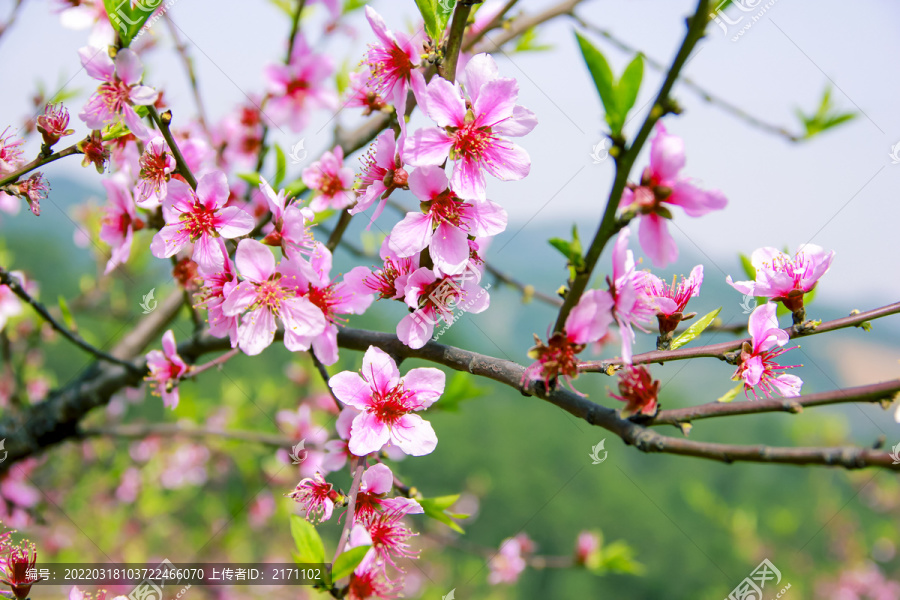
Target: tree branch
[875, 392]
[162, 122]
[56, 419]
[608, 225]
[13, 284]
[720, 350]
[39, 162]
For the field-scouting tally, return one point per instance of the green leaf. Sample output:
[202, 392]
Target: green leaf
[462, 386]
[443, 16]
[600, 73]
[618, 98]
[352, 5]
[826, 116]
[294, 188]
[694, 330]
[309, 545]
[280, 167]
[627, 89]
[285, 6]
[749, 269]
[251, 178]
[731, 394]
[528, 42]
[428, 9]
[126, 19]
[618, 557]
[347, 561]
[436, 509]
[67, 314]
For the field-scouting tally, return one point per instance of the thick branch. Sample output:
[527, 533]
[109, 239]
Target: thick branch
[720, 350]
[56, 419]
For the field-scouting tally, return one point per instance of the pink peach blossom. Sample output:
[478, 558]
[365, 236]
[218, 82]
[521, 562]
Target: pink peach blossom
[202, 219]
[120, 221]
[290, 224]
[317, 496]
[166, 370]
[298, 87]
[120, 91]
[469, 129]
[757, 367]
[387, 403]
[392, 61]
[434, 297]
[331, 181]
[267, 293]
[383, 172]
[783, 277]
[445, 225]
[157, 165]
[351, 296]
[661, 185]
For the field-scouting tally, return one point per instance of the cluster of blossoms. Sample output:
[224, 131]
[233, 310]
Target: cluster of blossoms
[634, 297]
[380, 406]
[432, 261]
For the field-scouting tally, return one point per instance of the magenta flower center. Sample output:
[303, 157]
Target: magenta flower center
[325, 299]
[116, 94]
[199, 221]
[797, 268]
[297, 89]
[384, 281]
[271, 294]
[472, 141]
[153, 167]
[446, 207]
[331, 185]
[388, 65]
[392, 405]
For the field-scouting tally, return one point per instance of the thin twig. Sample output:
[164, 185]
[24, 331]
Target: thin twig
[39, 162]
[357, 467]
[323, 372]
[608, 225]
[722, 349]
[6, 278]
[447, 68]
[182, 50]
[875, 392]
[162, 122]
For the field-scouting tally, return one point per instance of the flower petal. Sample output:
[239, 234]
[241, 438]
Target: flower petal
[367, 434]
[429, 146]
[129, 67]
[254, 260]
[380, 370]
[414, 435]
[427, 383]
[351, 389]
